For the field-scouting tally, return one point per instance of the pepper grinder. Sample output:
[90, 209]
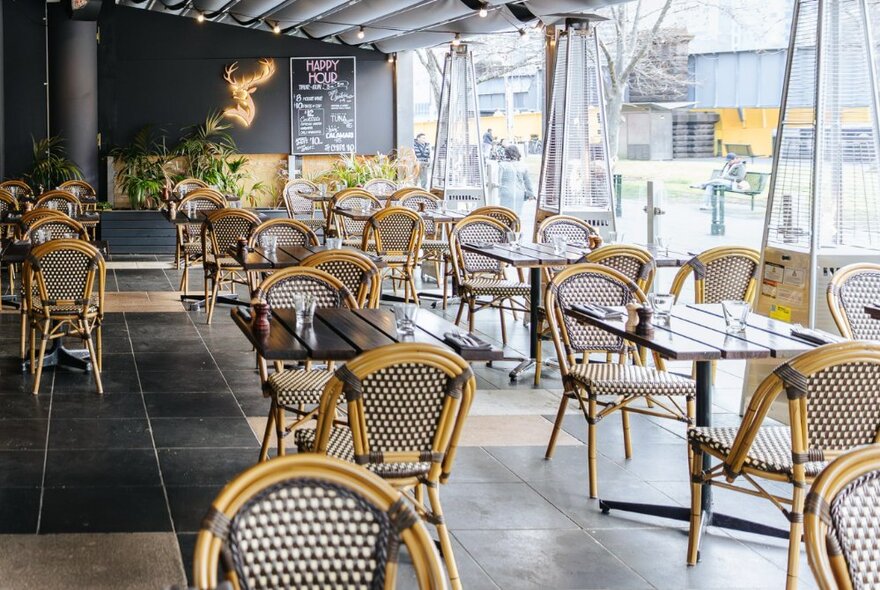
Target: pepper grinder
[632, 317]
[645, 327]
[261, 317]
[242, 247]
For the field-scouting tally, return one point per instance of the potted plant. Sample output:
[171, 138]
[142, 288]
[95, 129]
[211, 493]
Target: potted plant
[50, 166]
[142, 172]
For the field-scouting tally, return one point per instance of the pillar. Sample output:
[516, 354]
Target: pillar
[73, 88]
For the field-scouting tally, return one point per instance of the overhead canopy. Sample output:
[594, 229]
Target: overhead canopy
[386, 25]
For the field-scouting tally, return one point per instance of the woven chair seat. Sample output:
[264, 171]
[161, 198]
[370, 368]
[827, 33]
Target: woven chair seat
[394, 259]
[770, 452]
[312, 222]
[435, 246]
[192, 248]
[66, 309]
[356, 243]
[616, 379]
[291, 388]
[226, 262]
[340, 446]
[495, 288]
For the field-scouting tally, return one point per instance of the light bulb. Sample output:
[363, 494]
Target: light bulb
[391, 58]
[201, 17]
[361, 33]
[456, 41]
[483, 11]
[276, 29]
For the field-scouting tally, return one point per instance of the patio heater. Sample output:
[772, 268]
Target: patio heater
[823, 210]
[575, 167]
[459, 170]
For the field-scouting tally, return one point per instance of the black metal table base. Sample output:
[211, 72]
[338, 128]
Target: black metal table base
[198, 301]
[684, 514]
[60, 356]
[10, 301]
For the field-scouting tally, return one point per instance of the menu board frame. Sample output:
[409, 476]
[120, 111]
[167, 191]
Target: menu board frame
[295, 111]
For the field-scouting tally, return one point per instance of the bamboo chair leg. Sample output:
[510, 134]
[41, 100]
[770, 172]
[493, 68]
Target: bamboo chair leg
[267, 435]
[24, 331]
[696, 529]
[279, 429]
[471, 304]
[557, 426]
[794, 538]
[503, 325]
[412, 287]
[591, 450]
[460, 312]
[214, 293]
[39, 363]
[96, 369]
[443, 534]
[627, 438]
[99, 345]
[33, 347]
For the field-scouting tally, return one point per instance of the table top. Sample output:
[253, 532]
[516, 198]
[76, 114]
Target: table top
[198, 216]
[257, 259]
[873, 310]
[696, 332]
[341, 334]
[435, 215]
[86, 219]
[665, 258]
[16, 251]
[528, 255]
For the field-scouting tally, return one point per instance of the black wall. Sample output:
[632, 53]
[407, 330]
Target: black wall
[24, 78]
[168, 71]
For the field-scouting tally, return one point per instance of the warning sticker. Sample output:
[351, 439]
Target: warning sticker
[794, 276]
[780, 312]
[773, 272]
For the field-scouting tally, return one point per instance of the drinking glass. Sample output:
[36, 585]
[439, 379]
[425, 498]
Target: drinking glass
[71, 210]
[268, 243]
[190, 209]
[304, 306]
[333, 243]
[662, 305]
[513, 238]
[405, 316]
[664, 242]
[735, 314]
[39, 237]
[560, 244]
[70, 235]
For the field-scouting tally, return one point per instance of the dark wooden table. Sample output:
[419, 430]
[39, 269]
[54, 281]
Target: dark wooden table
[533, 257]
[665, 258]
[342, 334]
[437, 216]
[873, 310]
[87, 220]
[258, 260]
[697, 333]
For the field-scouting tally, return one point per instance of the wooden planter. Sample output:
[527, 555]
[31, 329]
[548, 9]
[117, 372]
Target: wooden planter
[138, 232]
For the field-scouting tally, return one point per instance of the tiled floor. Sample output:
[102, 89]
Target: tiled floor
[178, 420]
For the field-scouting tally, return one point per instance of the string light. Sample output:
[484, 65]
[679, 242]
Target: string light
[361, 33]
[201, 17]
[456, 41]
[484, 12]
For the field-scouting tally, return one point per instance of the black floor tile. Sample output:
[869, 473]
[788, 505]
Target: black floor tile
[115, 345]
[19, 510]
[23, 435]
[192, 405]
[187, 544]
[97, 468]
[154, 344]
[128, 433]
[23, 407]
[180, 330]
[79, 382]
[21, 468]
[247, 381]
[18, 383]
[253, 403]
[189, 505]
[109, 405]
[235, 360]
[198, 467]
[202, 432]
[118, 362]
[104, 510]
[185, 381]
[185, 359]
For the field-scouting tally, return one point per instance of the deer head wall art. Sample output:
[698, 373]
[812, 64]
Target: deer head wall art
[243, 87]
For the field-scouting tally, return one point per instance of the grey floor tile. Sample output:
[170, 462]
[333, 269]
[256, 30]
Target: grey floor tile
[499, 506]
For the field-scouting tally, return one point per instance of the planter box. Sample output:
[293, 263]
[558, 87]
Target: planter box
[138, 232]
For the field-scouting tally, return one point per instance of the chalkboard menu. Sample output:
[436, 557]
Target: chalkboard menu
[323, 105]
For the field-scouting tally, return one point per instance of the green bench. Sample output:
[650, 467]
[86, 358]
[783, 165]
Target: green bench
[757, 183]
[741, 149]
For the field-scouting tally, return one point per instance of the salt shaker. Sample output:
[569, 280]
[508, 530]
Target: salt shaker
[645, 327]
[632, 317]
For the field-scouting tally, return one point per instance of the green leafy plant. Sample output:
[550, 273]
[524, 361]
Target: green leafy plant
[142, 172]
[51, 166]
[354, 170]
[228, 172]
[204, 143]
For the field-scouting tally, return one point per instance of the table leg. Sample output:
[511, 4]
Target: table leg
[703, 418]
[534, 304]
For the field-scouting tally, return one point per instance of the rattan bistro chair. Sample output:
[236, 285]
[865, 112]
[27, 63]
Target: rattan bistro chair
[619, 385]
[351, 230]
[850, 290]
[78, 188]
[55, 228]
[186, 186]
[396, 233]
[842, 522]
[435, 245]
[19, 189]
[220, 234]
[189, 235]
[307, 521]
[354, 269]
[293, 390]
[288, 232]
[380, 187]
[407, 404]
[725, 272]
[833, 396]
[8, 206]
[60, 200]
[64, 286]
[298, 205]
[478, 276]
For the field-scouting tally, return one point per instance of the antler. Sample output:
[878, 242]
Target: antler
[228, 71]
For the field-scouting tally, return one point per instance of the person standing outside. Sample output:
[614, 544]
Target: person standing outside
[733, 173]
[423, 154]
[488, 140]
